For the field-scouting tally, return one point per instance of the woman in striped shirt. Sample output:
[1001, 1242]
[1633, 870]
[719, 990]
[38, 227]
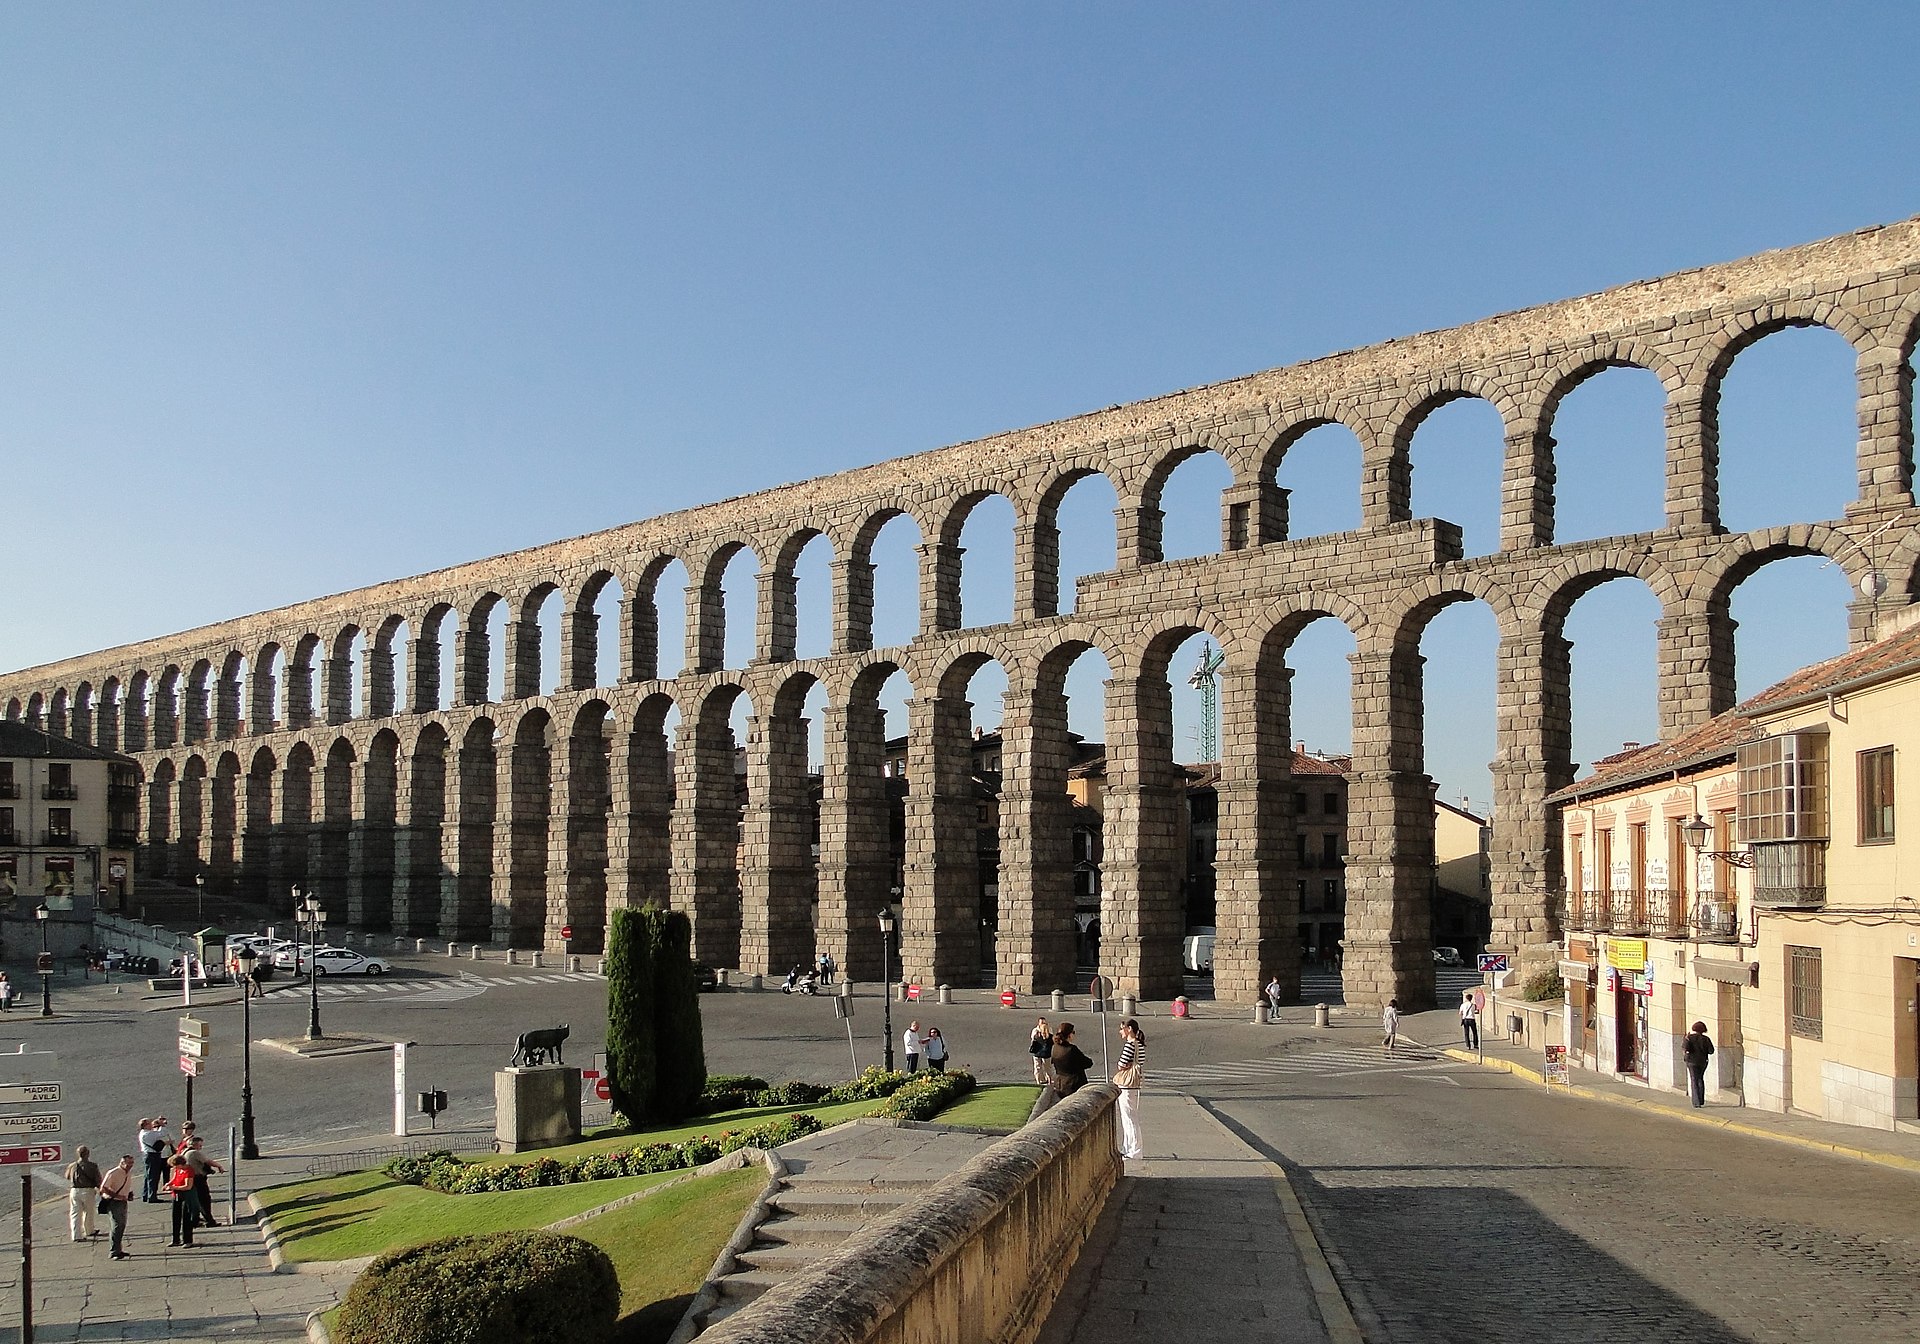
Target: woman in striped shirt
[1129, 1078]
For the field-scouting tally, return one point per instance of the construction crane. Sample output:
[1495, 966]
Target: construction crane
[1202, 680]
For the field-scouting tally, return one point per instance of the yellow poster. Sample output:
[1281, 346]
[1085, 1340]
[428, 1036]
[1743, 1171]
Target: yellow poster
[1627, 954]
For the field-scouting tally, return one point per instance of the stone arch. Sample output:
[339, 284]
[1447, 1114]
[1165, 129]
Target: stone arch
[1147, 544]
[643, 595]
[299, 698]
[527, 665]
[583, 642]
[942, 573]
[223, 818]
[423, 836]
[1387, 493]
[14, 709]
[706, 823]
[581, 806]
[781, 592]
[83, 711]
[857, 870]
[58, 717]
[342, 668]
[372, 860]
[166, 707]
[433, 685]
[261, 879]
[388, 689]
[473, 807]
[640, 857]
[136, 730]
[162, 785]
[1038, 558]
[779, 881]
[709, 617]
[854, 599]
[263, 689]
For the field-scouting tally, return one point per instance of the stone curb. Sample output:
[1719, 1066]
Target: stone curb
[1832, 1149]
[743, 1234]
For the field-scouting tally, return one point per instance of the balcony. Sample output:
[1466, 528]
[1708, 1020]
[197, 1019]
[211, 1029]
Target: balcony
[1586, 912]
[122, 839]
[1667, 914]
[59, 793]
[1716, 918]
[1627, 912]
[1789, 874]
[9, 837]
[63, 839]
[9, 788]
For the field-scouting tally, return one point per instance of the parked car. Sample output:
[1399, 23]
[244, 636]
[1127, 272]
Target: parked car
[704, 978]
[345, 961]
[1447, 956]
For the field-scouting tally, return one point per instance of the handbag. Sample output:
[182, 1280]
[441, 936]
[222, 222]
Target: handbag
[1128, 1077]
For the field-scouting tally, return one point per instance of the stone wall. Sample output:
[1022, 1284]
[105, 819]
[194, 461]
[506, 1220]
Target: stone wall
[978, 1259]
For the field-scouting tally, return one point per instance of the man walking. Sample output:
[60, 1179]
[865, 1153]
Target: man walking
[83, 1194]
[116, 1192]
[910, 1045]
[1273, 997]
[1470, 1019]
[1698, 1049]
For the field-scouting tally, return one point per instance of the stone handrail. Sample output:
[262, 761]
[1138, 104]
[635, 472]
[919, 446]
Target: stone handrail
[978, 1259]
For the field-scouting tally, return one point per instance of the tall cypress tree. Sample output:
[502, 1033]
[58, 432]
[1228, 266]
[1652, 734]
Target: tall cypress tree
[632, 1059]
[680, 1049]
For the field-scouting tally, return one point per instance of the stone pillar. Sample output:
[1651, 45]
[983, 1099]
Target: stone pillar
[1390, 874]
[377, 686]
[1693, 459]
[777, 879]
[226, 708]
[376, 833]
[1034, 952]
[466, 840]
[83, 714]
[1252, 513]
[189, 847]
[640, 820]
[1256, 892]
[1535, 734]
[287, 855]
[166, 720]
[195, 727]
[339, 882]
[776, 630]
[856, 873]
[706, 628]
[640, 636]
[579, 650]
[940, 585]
[156, 857]
[1136, 537]
[706, 838]
[940, 904]
[1386, 475]
[1527, 488]
[1036, 569]
[336, 674]
[1141, 910]
[423, 674]
[256, 841]
[419, 793]
[106, 728]
[471, 655]
[852, 606]
[520, 840]
[1696, 668]
[260, 714]
[134, 732]
[57, 722]
[523, 659]
[577, 848]
[299, 695]
[1885, 465]
[223, 805]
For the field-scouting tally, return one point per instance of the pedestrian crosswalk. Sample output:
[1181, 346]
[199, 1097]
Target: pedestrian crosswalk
[1344, 1062]
[1318, 985]
[439, 990]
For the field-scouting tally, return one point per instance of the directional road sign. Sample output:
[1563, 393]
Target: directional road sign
[194, 1027]
[45, 1152]
[47, 1122]
[190, 1067]
[192, 1049]
[15, 1093]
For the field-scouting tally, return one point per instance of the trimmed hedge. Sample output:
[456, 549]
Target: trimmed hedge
[495, 1288]
[927, 1095]
[450, 1175]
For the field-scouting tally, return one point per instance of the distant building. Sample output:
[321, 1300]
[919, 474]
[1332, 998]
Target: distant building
[69, 817]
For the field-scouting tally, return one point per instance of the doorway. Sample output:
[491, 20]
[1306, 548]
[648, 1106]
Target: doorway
[1630, 1028]
[1906, 1037]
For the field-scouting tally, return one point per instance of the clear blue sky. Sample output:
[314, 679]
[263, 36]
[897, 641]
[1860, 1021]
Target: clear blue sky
[301, 297]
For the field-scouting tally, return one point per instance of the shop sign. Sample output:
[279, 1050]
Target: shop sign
[1656, 874]
[59, 881]
[1627, 954]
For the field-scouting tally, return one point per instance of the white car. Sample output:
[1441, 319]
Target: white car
[345, 961]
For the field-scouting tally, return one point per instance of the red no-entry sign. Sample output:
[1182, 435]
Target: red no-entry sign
[603, 1090]
[566, 933]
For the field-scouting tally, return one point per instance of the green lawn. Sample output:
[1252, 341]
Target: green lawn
[664, 1246]
[1003, 1107]
[365, 1213]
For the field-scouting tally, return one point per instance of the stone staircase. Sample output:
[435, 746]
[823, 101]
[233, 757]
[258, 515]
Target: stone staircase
[837, 1183]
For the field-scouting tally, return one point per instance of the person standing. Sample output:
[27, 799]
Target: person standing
[202, 1167]
[116, 1192]
[6, 993]
[1390, 1024]
[1697, 1049]
[1470, 1019]
[910, 1046]
[936, 1048]
[155, 1150]
[1070, 1063]
[83, 1194]
[186, 1202]
[1040, 1047]
[1130, 1077]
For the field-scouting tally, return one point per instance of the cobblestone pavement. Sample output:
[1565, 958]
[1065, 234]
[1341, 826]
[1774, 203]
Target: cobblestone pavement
[1463, 1205]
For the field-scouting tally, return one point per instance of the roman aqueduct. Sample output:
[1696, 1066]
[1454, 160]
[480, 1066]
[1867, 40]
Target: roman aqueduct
[505, 817]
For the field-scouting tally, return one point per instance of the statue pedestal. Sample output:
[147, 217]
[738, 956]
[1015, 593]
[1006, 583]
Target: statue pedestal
[536, 1107]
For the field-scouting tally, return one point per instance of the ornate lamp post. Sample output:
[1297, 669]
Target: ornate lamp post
[308, 914]
[45, 963]
[886, 980]
[248, 1148]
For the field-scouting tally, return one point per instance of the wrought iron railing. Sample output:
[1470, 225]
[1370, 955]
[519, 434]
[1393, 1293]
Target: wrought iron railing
[1716, 918]
[60, 793]
[1667, 914]
[1628, 912]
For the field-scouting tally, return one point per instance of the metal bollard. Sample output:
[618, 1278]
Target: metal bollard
[1260, 1016]
[1128, 1005]
[453, 949]
[476, 952]
[573, 963]
[946, 993]
[539, 958]
[1319, 1014]
[757, 982]
[513, 956]
[419, 945]
[1057, 1002]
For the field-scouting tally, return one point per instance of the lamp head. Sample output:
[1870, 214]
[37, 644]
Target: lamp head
[246, 956]
[42, 912]
[1694, 833]
[886, 921]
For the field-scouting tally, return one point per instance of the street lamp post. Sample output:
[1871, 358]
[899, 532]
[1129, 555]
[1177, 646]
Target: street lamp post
[313, 917]
[45, 963]
[200, 899]
[886, 980]
[245, 959]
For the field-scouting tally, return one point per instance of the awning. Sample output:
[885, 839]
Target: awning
[1727, 972]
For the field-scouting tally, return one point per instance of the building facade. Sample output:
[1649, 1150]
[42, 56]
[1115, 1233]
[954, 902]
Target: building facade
[69, 819]
[1749, 875]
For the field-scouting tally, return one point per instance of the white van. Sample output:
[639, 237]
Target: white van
[1197, 951]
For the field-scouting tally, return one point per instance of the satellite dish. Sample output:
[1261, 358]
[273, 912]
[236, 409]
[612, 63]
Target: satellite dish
[1873, 585]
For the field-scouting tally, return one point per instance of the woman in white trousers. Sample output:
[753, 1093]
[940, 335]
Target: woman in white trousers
[1130, 1077]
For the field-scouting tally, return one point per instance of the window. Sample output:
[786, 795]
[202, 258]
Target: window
[1783, 788]
[1876, 796]
[1330, 849]
[59, 825]
[6, 826]
[8, 788]
[1300, 848]
[60, 780]
[1803, 979]
[1332, 804]
[1333, 893]
[1299, 802]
